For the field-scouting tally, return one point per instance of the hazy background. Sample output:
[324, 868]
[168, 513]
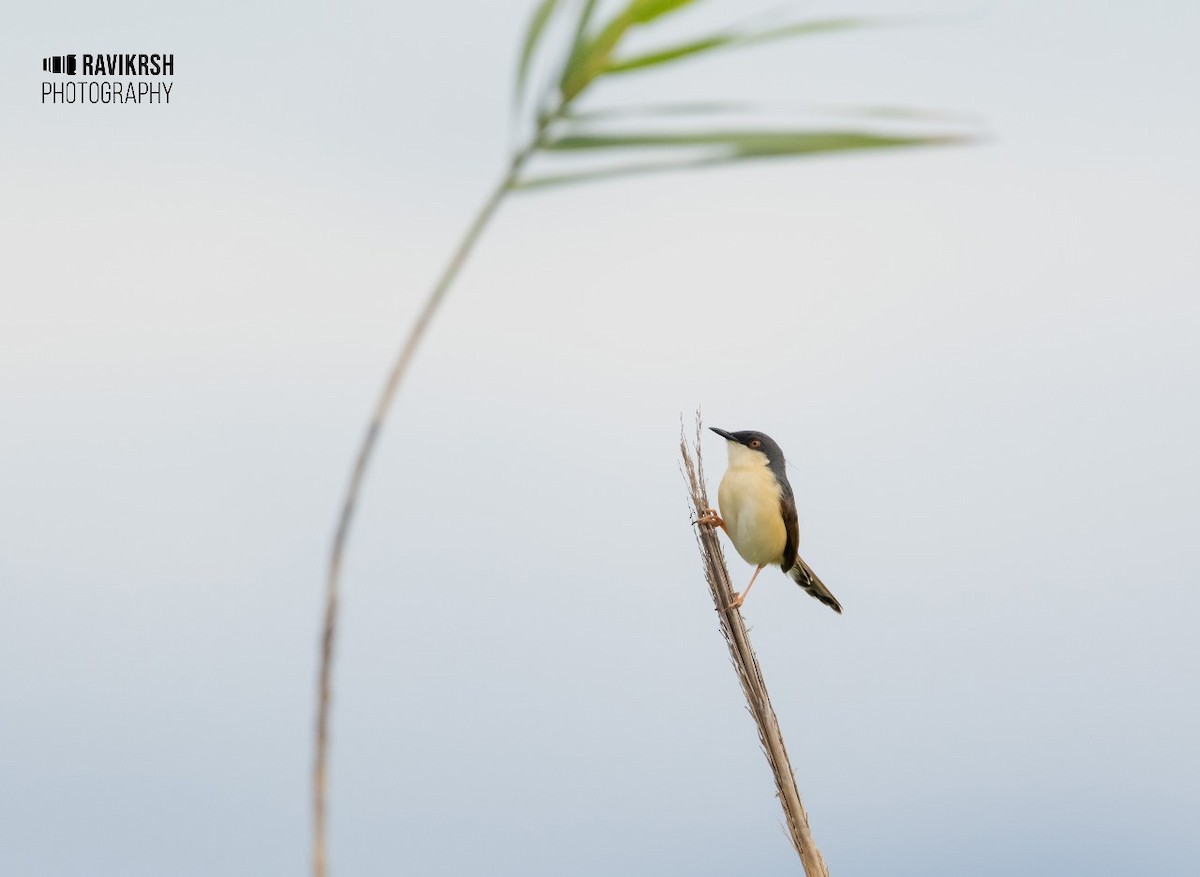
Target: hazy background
[981, 362]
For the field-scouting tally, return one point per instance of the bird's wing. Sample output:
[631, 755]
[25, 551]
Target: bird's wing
[787, 508]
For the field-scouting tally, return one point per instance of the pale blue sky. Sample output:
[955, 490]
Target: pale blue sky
[981, 363]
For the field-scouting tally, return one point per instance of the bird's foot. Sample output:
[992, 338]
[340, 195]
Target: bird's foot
[711, 518]
[738, 600]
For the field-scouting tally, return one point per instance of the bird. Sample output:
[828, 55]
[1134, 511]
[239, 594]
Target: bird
[758, 513]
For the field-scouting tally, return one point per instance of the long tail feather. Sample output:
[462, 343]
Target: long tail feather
[803, 575]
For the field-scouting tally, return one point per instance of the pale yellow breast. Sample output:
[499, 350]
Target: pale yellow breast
[749, 502]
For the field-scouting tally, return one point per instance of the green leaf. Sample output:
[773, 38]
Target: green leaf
[536, 25]
[550, 180]
[578, 45]
[716, 41]
[651, 110]
[813, 142]
[768, 145]
[742, 142]
[729, 108]
[593, 57]
[664, 56]
[645, 11]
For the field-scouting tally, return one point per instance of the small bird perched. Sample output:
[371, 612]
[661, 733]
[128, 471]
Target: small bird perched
[758, 512]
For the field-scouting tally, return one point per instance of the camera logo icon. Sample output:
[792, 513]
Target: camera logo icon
[59, 64]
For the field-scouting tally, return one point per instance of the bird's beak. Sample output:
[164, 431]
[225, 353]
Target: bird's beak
[723, 434]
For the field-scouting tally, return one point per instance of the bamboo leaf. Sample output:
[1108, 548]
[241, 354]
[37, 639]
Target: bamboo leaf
[536, 25]
[716, 41]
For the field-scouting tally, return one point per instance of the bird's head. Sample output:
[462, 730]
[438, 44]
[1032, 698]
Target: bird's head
[750, 447]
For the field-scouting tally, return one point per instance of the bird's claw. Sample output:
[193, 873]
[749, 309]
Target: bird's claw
[709, 517]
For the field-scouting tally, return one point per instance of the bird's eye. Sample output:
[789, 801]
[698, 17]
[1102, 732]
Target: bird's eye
[755, 443]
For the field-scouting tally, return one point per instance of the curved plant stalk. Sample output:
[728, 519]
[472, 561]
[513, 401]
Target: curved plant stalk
[361, 463]
[593, 54]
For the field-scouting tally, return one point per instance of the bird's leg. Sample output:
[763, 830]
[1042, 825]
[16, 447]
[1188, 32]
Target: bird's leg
[739, 599]
[711, 518]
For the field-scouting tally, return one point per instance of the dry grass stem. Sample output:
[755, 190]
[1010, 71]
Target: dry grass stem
[733, 628]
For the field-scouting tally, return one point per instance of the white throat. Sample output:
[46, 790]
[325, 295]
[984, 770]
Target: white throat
[742, 457]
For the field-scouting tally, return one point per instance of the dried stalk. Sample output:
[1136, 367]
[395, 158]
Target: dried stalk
[733, 628]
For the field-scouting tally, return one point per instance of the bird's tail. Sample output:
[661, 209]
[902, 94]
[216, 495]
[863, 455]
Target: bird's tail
[803, 575]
